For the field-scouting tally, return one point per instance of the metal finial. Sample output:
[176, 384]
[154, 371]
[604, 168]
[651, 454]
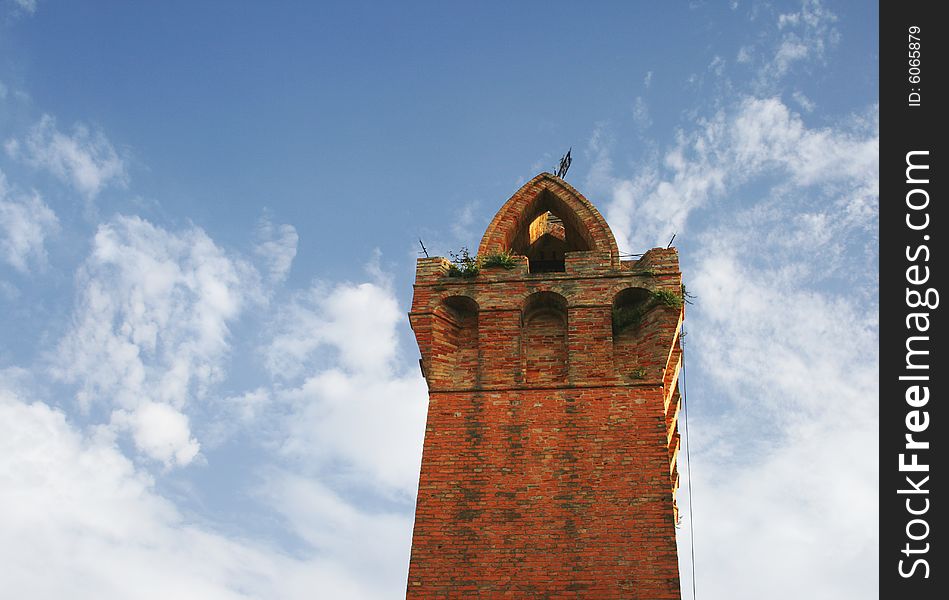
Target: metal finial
[564, 164]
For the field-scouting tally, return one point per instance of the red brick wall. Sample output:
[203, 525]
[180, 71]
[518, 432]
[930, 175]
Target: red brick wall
[545, 492]
[547, 469]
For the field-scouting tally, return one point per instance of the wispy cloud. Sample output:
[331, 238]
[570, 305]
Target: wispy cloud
[148, 340]
[150, 330]
[84, 159]
[803, 37]
[25, 223]
[276, 245]
[806, 104]
[641, 113]
[27, 6]
[784, 427]
[464, 228]
[758, 137]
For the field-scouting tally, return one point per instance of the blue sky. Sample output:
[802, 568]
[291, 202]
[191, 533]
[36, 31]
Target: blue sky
[209, 217]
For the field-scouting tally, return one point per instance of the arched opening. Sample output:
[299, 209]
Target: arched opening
[544, 339]
[548, 245]
[545, 220]
[630, 308]
[550, 231]
[455, 342]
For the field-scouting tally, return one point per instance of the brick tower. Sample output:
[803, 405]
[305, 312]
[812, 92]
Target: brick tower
[549, 463]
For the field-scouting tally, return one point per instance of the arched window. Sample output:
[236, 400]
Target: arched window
[544, 339]
[630, 309]
[455, 343]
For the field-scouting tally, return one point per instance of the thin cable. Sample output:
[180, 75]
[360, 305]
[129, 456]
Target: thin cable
[688, 468]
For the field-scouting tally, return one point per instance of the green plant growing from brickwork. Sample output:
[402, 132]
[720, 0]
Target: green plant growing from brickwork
[667, 298]
[632, 315]
[639, 373]
[499, 259]
[463, 264]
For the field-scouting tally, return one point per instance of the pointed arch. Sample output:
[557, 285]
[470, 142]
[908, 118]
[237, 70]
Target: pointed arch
[523, 221]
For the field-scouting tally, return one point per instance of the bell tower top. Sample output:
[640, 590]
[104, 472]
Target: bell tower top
[521, 225]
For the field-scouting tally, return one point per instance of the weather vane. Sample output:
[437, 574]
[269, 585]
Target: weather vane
[564, 164]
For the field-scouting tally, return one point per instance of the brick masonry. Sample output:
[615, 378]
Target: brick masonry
[549, 462]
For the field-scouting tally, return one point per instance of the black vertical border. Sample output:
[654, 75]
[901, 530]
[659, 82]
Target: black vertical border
[905, 128]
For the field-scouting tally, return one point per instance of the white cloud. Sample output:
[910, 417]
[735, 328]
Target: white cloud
[641, 113]
[148, 340]
[159, 431]
[25, 223]
[355, 320]
[767, 320]
[352, 421]
[789, 51]
[27, 6]
[375, 545]
[813, 499]
[151, 326]
[276, 245]
[353, 409]
[806, 104]
[362, 425]
[766, 133]
[784, 428]
[77, 520]
[758, 137]
[744, 55]
[466, 226]
[717, 66]
[85, 159]
[803, 36]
